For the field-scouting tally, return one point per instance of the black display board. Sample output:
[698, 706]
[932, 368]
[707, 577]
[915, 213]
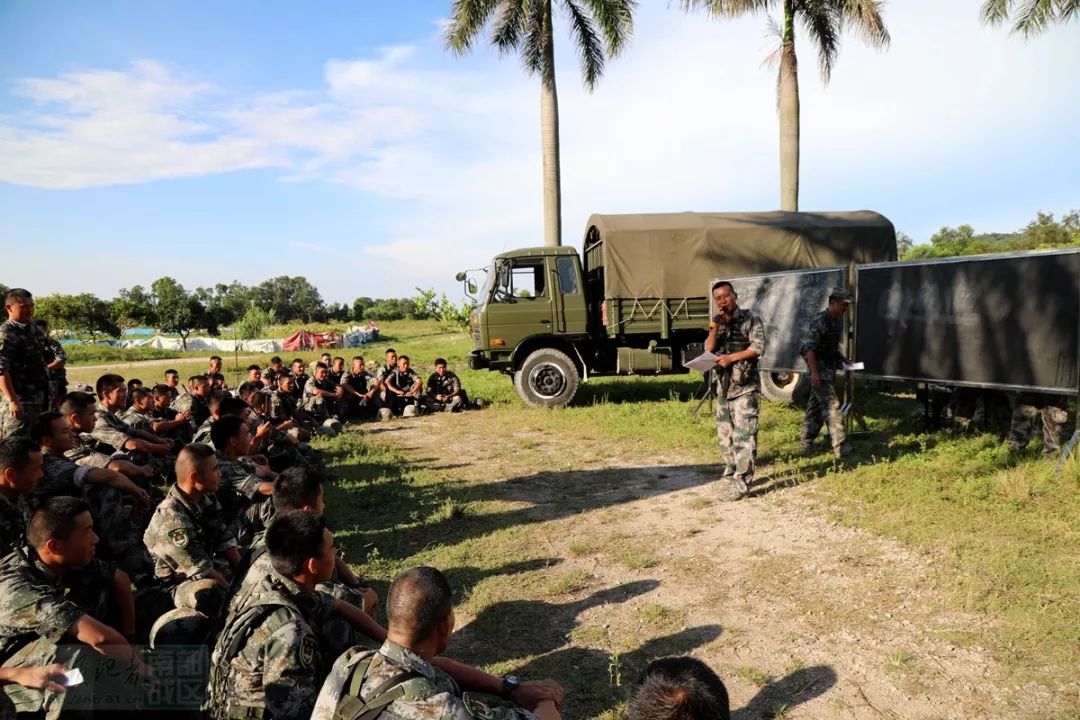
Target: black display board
[786, 302]
[1006, 321]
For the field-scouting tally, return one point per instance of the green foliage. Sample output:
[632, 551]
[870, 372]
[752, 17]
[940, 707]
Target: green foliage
[132, 308]
[360, 306]
[177, 311]
[424, 305]
[101, 354]
[1031, 16]
[78, 314]
[1042, 233]
[254, 323]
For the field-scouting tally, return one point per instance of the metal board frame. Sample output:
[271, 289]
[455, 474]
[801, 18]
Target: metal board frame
[1053, 390]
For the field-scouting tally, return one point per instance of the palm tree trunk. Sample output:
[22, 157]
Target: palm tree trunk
[788, 110]
[549, 138]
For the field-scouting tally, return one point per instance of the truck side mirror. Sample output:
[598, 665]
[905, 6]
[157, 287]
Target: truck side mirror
[460, 277]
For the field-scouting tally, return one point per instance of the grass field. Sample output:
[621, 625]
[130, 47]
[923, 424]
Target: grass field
[929, 575]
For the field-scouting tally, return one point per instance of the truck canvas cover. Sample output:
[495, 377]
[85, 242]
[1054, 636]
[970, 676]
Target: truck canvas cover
[666, 255]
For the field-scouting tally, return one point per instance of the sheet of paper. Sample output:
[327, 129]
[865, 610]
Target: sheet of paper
[71, 678]
[852, 367]
[704, 362]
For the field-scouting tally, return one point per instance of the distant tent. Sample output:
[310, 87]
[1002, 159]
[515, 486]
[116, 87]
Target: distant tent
[307, 340]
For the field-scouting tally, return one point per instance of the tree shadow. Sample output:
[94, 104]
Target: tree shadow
[780, 696]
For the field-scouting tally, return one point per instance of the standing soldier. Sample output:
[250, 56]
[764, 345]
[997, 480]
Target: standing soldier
[55, 361]
[821, 349]
[24, 379]
[738, 337]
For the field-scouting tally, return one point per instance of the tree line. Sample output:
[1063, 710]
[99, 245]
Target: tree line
[1042, 233]
[170, 308]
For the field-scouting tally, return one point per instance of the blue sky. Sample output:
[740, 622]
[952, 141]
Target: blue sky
[338, 140]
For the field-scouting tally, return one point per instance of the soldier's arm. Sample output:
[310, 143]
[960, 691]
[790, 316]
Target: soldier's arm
[8, 388]
[472, 679]
[180, 546]
[289, 680]
[115, 479]
[107, 641]
[130, 469]
[455, 384]
[44, 677]
[710, 339]
[360, 620]
[124, 601]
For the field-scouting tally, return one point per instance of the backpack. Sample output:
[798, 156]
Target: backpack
[349, 705]
[232, 639]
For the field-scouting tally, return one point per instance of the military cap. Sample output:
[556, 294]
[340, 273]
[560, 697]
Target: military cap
[839, 293]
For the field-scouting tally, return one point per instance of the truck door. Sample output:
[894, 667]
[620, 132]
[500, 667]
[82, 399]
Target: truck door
[521, 303]
[570, 314]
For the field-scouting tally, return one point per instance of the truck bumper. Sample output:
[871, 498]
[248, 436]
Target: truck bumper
[478, 361]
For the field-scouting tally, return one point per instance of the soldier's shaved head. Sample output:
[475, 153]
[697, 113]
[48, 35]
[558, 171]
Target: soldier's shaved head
[191, 458]
[419, 601]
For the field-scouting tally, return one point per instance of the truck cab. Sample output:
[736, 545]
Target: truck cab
[532, 298]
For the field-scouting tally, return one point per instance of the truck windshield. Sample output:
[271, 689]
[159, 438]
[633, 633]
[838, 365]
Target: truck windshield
[489, 281]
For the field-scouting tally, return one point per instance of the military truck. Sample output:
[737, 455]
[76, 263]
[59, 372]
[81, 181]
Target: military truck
[636, 301]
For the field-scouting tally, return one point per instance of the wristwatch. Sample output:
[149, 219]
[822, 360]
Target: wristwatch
[510, 683]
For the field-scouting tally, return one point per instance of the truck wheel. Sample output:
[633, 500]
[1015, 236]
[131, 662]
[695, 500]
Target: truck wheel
[785, 387]
[547, 378]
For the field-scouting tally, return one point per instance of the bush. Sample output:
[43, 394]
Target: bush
[101, 354]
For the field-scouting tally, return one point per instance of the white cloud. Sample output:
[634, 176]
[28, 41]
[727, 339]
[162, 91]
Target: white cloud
[685, 120]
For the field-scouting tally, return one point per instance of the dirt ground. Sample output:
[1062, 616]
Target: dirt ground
[801, 617]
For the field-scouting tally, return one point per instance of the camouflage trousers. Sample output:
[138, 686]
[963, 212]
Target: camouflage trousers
[1025, 412]
[42, 652]
[736, 429]
[11, 425]
[823, 408]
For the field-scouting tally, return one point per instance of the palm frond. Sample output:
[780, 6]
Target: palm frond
[1034, 16]
[773, 30]
[865, 17]
[509, 24]
[822, 23]
[537, 35]
[995, 12]
[467, 19]
[726, 8]
[615, 21]
[590, 51]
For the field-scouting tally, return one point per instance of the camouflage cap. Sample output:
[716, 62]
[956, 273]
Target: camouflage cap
[839, 293]
[181, 626]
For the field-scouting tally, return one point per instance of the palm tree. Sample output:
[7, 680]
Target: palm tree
[1033, 16]
[823, 21]
[599, 28]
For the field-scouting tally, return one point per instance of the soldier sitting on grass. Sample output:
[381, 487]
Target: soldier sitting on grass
[272, 372]
[139, 414]
[20, 474]
[80, 410]
[321, 397]
[172, 381]
[165, 421]
[300, 378]
[195, 553]
[245, 484]
[403, 387]
[57, 600]
[110, 430]
[268, 660]
[444, 391]
[405, 677]
[194, 401]
[254, 374]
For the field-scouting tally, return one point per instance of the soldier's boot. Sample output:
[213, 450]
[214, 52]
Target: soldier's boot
[842, 451]
[732, 489]
[806, 447]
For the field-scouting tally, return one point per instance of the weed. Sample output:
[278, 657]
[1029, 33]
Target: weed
[615, 669]
[568, 582]
[753, 676]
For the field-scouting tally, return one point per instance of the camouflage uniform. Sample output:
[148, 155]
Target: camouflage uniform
[299, 383]
[823, 335]
[197, 406]
[58, 377]
[39, 608]
[427, 693]
[360, 382]
[22, 359]
[187, 542]
[270, 376]
[447, 384]
[12, 524]
[110, 430]
[239, 494]
[738, 388]
[281, 407]
[202, 434]
[277, 671]
[336, 377]
[137, 420]
[402, 381]
[321, 408]
[1050, 409]
[119, 529]
[88, 451]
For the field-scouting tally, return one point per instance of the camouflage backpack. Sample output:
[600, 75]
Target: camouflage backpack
[341, 690]
[232, 639]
